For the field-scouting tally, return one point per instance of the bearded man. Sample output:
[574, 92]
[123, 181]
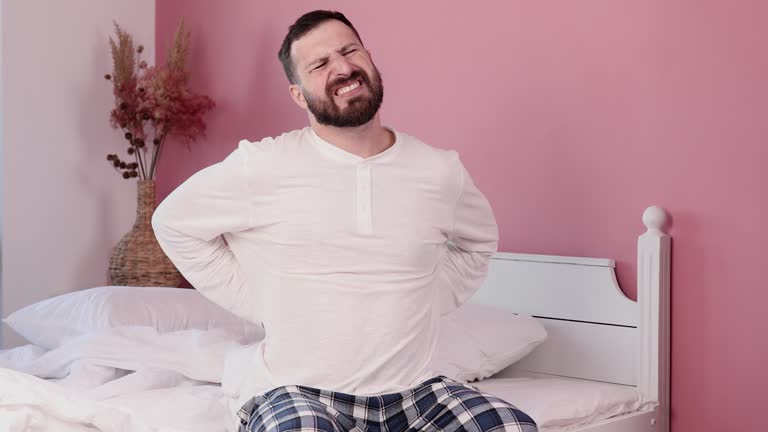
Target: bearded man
[347, 240]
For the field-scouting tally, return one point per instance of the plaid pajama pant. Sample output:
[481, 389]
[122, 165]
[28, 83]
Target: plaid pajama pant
[438, 404]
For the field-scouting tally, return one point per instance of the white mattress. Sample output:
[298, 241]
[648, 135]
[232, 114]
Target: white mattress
[561, 404]
[556, 404]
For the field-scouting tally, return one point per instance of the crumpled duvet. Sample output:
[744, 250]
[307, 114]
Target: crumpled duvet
[127, 379]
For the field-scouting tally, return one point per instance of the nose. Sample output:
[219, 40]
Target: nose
[341, 66]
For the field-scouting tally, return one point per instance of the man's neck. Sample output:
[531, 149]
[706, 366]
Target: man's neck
[365, 141]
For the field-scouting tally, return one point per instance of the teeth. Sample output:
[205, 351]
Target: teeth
[347, 89]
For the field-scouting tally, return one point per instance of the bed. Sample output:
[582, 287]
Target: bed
[604, 366]
[597, 336]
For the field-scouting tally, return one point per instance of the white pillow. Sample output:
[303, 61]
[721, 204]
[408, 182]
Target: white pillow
[478, 341]
[49, 323]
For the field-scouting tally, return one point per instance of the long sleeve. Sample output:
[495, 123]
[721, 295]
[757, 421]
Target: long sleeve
[189, 223]
[471, 244]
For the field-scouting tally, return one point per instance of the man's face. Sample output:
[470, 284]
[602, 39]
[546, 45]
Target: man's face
[339, 83]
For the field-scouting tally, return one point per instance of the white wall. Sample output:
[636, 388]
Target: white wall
[1, 167]
[63, 207]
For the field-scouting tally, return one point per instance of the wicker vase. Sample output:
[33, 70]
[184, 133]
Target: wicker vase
[137, 260]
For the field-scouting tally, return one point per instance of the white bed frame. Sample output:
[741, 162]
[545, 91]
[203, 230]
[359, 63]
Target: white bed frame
[595, 331]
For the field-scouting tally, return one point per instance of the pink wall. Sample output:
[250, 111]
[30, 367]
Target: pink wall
[572, 117]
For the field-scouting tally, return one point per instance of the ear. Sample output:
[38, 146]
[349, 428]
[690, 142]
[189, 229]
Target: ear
[297, 96]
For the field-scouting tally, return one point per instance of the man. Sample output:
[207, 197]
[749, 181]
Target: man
[347, 240]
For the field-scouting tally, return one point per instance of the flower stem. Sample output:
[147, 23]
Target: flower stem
[135, 153]
[156, 156]
[141, 164]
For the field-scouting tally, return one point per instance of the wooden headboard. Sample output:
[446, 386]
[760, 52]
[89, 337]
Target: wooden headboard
[594, 331]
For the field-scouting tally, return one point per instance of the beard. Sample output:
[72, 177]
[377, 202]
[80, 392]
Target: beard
[359, 110]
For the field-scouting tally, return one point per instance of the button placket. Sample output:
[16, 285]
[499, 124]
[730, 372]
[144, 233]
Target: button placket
[364, 217]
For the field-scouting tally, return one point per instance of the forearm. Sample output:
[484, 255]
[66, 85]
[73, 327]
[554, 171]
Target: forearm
[189, 224]
[460, 275]
[209, 265]
[470, 245]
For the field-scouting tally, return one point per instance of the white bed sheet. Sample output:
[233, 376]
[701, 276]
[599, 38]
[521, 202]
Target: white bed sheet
[562, 404]
[557, 404]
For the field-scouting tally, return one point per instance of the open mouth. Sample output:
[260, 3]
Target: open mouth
[349, 89]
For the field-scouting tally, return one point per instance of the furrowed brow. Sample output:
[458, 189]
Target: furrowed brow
[325, 58]
[316, 61]
[347, 46]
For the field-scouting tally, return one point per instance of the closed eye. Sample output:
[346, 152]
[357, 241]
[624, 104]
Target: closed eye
[350, 51]
[319, 66]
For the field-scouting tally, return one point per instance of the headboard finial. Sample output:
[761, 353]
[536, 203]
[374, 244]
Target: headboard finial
[654, 218]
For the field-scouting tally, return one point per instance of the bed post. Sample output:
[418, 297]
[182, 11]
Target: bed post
[653, 255]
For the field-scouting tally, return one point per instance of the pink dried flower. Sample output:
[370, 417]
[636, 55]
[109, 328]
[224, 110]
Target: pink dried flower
[154, 99]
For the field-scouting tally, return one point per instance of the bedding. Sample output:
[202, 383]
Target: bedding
[30, 404]
[51, 322]
[195, 354]
[142, 389]
[128, 379]
[139, 378]
[477, 341]
[468, 347]
[562, 404]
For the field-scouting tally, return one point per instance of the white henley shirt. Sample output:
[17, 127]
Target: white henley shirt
[347, 261]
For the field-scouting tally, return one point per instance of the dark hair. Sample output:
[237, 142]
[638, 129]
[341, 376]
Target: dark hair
[302, 26]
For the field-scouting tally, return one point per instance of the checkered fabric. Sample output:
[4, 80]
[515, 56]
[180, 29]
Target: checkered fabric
[438, 404]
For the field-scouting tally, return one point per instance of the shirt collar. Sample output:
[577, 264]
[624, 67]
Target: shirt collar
[331, 151]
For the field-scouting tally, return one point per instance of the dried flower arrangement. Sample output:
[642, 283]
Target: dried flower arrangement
[152, 102]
